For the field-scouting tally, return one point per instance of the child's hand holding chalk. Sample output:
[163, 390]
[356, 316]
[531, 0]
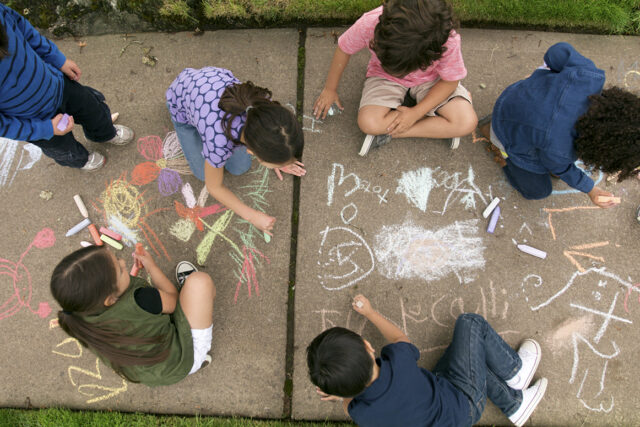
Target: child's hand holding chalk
[361, 304]
[602, 198]
[137, 264]
[62, 124]
[142, 256]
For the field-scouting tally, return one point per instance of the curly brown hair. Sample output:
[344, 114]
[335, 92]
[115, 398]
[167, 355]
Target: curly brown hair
[411, 34]
[609, 133]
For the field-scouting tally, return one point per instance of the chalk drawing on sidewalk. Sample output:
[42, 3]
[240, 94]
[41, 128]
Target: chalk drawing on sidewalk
[165, 162]
[9, 168]
[20, 291]
[344, 257]
[409, 251]
[569, 209]
[580, 164]
[352, 183]
[576, 250]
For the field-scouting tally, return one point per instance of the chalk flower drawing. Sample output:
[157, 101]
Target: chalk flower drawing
[29, 155]
[166, 163]
[20, 279]
[407, 251]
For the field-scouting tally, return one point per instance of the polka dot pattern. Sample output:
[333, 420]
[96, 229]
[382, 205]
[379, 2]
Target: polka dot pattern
[193, 99]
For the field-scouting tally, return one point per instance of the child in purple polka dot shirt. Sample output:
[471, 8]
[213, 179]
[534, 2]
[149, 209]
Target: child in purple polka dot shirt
[222, 122]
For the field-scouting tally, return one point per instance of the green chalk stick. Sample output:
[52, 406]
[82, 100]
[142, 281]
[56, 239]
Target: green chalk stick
[267, 237]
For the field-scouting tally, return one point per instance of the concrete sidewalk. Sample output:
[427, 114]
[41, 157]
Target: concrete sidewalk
[580, 302]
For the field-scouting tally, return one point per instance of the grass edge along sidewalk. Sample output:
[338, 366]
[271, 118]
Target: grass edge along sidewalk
[69, 418]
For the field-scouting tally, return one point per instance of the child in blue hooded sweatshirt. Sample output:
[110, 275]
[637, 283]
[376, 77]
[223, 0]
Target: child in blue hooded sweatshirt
[38, 85]
[541, 125]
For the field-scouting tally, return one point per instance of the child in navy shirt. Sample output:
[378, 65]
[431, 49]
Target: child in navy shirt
[393, 390]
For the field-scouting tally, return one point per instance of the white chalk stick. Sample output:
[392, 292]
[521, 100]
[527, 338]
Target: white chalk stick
[85, 244]
[359, 304]
[79, 226]
[491, 207]
[81, 206]
[532, 251]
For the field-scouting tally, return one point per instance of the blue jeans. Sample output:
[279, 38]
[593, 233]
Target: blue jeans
[191, 143]
[478, 362]
[532, 186]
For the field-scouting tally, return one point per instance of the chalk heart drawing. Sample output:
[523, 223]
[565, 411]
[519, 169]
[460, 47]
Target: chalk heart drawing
[9, 168]
[345, 258]
[19, 276]
[408, 251]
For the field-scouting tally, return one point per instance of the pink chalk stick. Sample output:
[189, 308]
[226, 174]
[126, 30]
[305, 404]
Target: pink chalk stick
[110, 233]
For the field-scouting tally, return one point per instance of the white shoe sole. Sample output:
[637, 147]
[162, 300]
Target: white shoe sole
[531, 406]
[455, 142]
[366, 145]
[535, 365]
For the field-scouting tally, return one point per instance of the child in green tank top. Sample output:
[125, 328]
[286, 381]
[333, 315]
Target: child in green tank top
[155, 335]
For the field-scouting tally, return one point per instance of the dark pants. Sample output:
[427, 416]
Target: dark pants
[478, 362]
[88, 109]
[532, 186]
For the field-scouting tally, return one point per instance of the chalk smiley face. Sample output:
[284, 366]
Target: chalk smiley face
[345, 258]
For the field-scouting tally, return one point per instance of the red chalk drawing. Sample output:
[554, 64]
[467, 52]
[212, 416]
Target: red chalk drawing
[248, 272]
[20, 278]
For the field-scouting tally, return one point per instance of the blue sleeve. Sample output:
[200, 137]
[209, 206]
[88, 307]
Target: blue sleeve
[47, 50]
[23, 129]
[569, 173]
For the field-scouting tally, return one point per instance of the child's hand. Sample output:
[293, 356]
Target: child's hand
[597, 192]
[55, 122]
[406, 118]
[71, 70]
[296, 168]
[262, 221]
[326, 99]
[327, 397]
[145, 258]
[361, 305]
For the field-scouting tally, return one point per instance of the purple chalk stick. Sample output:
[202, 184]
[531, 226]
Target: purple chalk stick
[63, 123]
[494, 220]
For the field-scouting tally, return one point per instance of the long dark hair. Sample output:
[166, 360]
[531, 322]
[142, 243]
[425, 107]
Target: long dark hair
[80, 283]
[271, 131]
[609, 133]
[4, 43]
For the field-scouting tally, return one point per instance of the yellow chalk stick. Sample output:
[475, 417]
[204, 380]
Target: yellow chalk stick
[609, 199]
[108, 240]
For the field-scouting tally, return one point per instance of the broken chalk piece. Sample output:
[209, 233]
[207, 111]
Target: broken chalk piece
[267, 237]
[114, 117]
[532, 251]
[359, 304]
[79, 226]
[81, 207]
[108, 240]
[137, 265]
[609, 199]
[95, 235]
[494, 220]
[491, 207]
[85, 244]
[334, 110]
[63, 123]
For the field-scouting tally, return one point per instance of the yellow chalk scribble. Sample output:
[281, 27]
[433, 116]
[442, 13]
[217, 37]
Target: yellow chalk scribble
[182, 229]
[73, 356]
[215, 230]
[97, 375]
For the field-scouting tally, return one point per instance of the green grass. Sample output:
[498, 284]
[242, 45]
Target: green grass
[64, 417]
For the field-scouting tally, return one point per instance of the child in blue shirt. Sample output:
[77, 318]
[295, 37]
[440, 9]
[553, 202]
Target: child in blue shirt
[393, 390]
[38, 84]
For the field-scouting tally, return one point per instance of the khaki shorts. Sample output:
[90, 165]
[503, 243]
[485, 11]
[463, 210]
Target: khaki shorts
[385, 93]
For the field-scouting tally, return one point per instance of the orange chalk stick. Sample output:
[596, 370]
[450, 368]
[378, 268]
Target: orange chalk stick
[609, 199]
[95, 235]
[137, 265]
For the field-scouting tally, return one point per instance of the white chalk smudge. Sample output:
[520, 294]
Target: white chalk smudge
[407, 251]
[416, 186]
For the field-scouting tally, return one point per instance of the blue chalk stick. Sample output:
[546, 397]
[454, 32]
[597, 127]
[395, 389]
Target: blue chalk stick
[63, 123]
[494, 220]
[79, 226]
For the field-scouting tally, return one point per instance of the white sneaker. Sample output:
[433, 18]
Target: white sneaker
[455, 142]
[373, 141]
[183, 270]
[95, 162]
[530, 353]
[124, 135]
[530, 399]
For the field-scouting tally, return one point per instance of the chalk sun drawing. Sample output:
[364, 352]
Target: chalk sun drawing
[345, 258]
[407, 251]
[29, 155]
[20, 278]
[166, 163]
[125, 210]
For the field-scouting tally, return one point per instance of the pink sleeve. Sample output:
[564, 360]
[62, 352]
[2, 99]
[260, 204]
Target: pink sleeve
[451, 66]
[358, 36]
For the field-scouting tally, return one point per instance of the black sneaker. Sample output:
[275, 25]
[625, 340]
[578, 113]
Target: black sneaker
[183, 270]
[373, 141]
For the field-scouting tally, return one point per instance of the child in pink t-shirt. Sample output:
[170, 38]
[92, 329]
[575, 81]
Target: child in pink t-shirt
[413, 48]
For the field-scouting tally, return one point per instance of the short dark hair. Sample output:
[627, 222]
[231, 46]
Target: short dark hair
[609, 133]
[339, 363]
[411, 34]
